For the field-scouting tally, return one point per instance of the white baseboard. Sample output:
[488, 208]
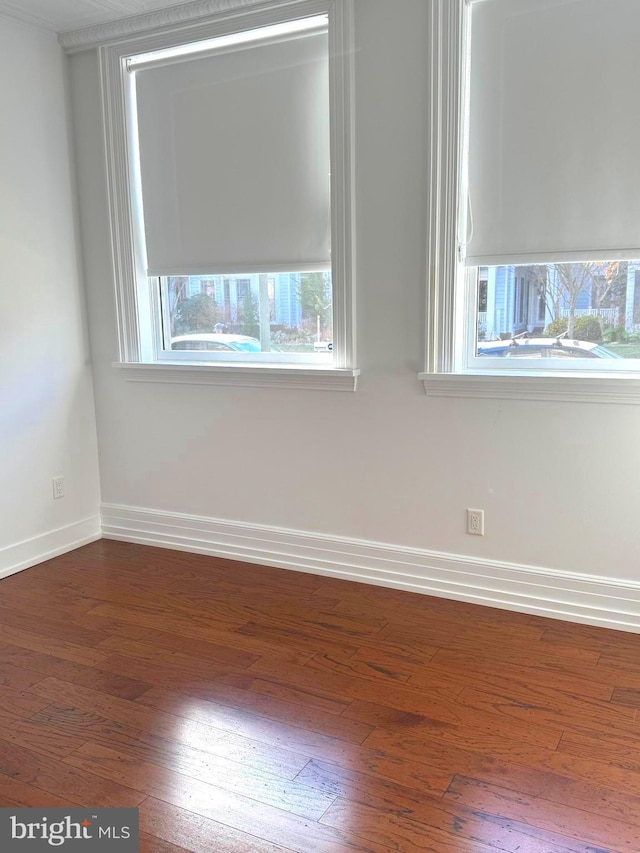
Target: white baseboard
[23, 555]
[594, 600]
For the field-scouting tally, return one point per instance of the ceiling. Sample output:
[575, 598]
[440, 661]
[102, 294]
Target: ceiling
[63, 15]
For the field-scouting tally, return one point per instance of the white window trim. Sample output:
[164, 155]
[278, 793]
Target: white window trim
[447, 371]
[135, 305]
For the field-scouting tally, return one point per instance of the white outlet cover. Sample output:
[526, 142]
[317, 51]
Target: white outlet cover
[475, 522]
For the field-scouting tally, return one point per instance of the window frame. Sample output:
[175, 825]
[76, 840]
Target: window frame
[138, 312]
[450, 366]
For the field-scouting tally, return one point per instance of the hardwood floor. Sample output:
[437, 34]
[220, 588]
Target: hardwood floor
[244, 708]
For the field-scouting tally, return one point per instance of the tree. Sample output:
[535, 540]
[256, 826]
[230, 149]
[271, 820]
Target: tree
[249, 316]
[314, 292]
[561, 285]
[177, 295]
[610, 286]
[196, 314]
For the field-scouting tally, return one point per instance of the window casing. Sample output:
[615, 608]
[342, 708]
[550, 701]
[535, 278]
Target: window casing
[453, 310]
[144, 338]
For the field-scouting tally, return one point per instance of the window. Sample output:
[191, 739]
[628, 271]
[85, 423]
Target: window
[533, 222]
[230, 181]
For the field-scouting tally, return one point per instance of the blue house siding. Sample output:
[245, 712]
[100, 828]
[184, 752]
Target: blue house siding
[288, 312]
[514, 301]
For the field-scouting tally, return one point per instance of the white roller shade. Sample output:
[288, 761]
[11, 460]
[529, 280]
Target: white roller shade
[234, 159]
[554, 171]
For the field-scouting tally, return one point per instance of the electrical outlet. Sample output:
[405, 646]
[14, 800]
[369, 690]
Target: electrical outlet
[475, 522]
[58, 487]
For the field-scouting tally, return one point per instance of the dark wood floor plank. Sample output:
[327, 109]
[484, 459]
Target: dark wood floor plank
[309, 695]
[60, 629]
[155, 618]
[29, 734]
[371, 790]
[192, 733]
[186, 638]
[276, 637]
[463, 664]
[292, 796]
[266, 823]
[297, 710]
[187, 756]
[22, 665]
[17, 677]
[441, 830]
[173, 756]
[522, 744]
[245, 708]
[570, 713]
[625, 754]
[563, 820]
[585, 636]
[199, 660]
[19, 703]
[626, 697]
[152, 844]
[197, 628]
[577, 792]
[241, 651]
[86, 655]
[112, 683]
[32, 608]
[205, 683]
[398, 602]
[288, 734]
[27, 796]
[63, 602]
[199, 834]
[323, 621]
[443, 718]
[56, 777]
[369, 663]
[436, 619]
[332, 683]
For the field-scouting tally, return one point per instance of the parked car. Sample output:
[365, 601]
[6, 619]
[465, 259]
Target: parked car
[210, 342]
[543, 348]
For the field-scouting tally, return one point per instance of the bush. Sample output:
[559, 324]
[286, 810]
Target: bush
[616, 334]
[587, 328]
[556, 328]
[198, 313]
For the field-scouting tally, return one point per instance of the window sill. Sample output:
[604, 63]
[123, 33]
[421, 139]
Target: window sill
[567, 387]
[305, 376]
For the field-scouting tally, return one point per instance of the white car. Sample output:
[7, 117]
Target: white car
[211, 342]
[543, 348]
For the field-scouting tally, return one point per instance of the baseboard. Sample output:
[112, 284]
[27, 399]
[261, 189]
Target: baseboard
[23, 555]
[594, 600]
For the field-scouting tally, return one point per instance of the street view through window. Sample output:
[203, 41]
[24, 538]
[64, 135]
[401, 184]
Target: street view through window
[257, 313]
[562, 310]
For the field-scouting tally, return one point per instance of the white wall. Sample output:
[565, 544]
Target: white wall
[47, 422]
[559, 482]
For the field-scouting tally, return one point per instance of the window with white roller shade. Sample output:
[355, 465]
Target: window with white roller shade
[230, 169]
[234, 155]
[553, 131]
[534, 200]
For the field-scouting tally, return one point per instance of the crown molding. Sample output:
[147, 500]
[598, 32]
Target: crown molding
[113, 31]
[15, 13]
